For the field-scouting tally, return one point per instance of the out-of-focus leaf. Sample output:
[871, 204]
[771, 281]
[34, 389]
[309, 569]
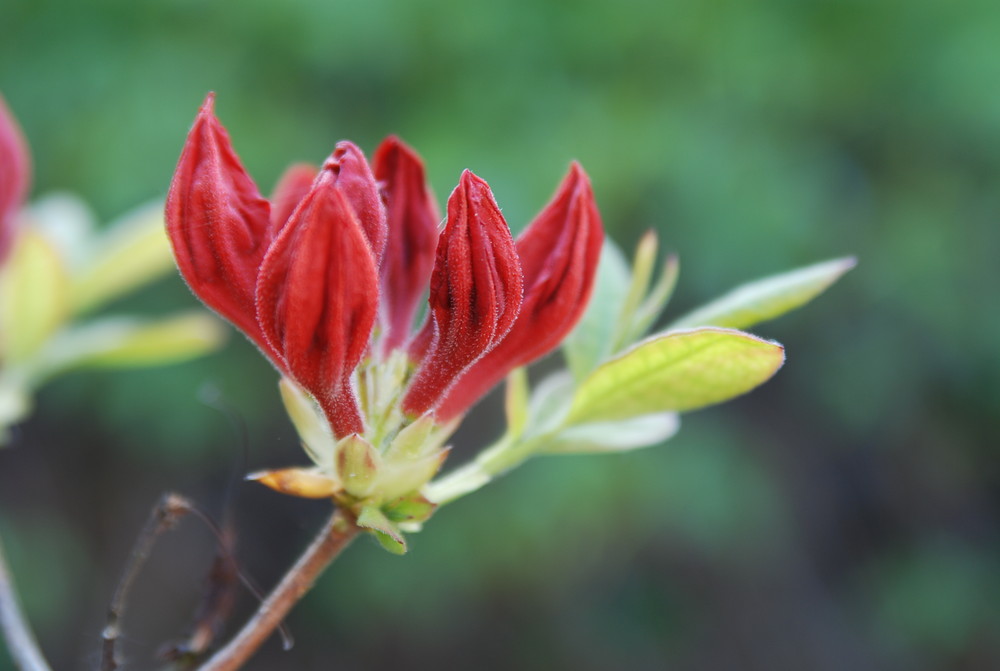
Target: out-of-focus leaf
[676, 371]
[767, 298]
[15, 405]
[655, 302]
[592, 339]
[642, 274]
[124, 343]
[134, 252]
[386, 532]
[620, 436]
[549, 403]
[34, 291]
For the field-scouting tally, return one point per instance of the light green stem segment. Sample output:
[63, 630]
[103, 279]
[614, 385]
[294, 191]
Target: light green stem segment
[507, 453]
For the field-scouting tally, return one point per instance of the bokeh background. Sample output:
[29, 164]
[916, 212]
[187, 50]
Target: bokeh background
[844, 516]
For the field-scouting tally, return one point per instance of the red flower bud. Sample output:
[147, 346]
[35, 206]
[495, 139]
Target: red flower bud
[219, 225]
[412, 220]
[289, 192]
[317, 298]
[476, 291]
[559, 252]
[15, 175]
[355, 180]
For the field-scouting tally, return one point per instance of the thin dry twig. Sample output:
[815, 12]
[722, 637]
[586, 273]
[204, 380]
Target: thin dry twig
[164, 516]
[338, 532]
[20, 641]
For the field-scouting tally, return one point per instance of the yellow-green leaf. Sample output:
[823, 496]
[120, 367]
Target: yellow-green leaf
[125, 343]
[767, 298]
[134, 252]
[34, 292]
[676, 371]
[617, 436]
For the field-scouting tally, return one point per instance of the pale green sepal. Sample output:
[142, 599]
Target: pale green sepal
[134, 252]
[310, 424]
[654, 304]
[409, 509]
[619, 436]
[386, 532]
[358, 465]
[122, 342]
[591, 341]
[767, 298]
[413, 441]
[516, 401]
[677, 371]
[403, 476]
[34, 295]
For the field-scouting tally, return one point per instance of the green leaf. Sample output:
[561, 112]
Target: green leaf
[767, 298]
[620, 436]
[124, 343]
[386, 532]
[34, 294]
[676, 371]
[591, 341]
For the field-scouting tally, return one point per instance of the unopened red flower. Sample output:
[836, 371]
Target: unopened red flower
[327, 276]
[15, 175]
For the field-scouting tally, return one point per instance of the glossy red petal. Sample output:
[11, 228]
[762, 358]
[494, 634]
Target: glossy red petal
[559, 252]
[317, 299]
[219, 225]
[412, 237]
[355, 180]
[15, 175]
[289, 192]
[476, 291]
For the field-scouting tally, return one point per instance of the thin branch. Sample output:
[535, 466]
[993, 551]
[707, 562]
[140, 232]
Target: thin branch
[338, 532]
[20, 641]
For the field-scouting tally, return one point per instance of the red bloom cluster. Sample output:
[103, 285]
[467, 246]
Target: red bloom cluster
[15, 175]
[328, 275]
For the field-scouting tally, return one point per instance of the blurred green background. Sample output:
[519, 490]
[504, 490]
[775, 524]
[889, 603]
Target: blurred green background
[844, 516]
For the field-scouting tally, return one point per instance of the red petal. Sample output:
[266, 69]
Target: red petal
[218, 224]
[355, 180]
[412, 222]
[475, 292]
[559, 253]
[289, 192]
[15, 175]
[317, 299]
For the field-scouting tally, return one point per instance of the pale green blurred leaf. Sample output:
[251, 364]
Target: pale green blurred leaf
[618, 436]
[676, 371]
[124, 343]
[34, 290]
[642, 274]
[767, 298]
[592, 339]
[656, 301]
[135, 251]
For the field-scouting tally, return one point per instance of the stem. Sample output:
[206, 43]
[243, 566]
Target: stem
[338, 532]
[21, 642]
